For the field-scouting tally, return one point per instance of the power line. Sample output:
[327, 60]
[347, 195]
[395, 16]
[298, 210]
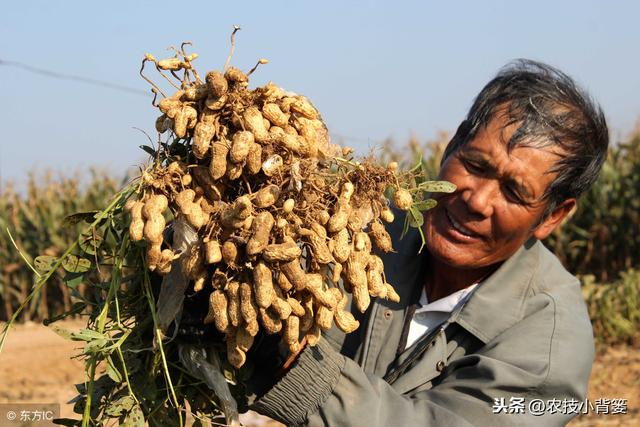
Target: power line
[72, 77]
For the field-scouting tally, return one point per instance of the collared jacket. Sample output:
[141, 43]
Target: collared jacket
[523, 336]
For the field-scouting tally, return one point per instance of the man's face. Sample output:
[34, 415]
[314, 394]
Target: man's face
[496, 206]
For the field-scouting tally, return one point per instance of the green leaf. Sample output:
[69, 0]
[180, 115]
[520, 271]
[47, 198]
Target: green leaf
[416, 219]
[135, 418]
[149, 150]
[113, 371]
[72, 280]
[76, 218]
[64, 333]
[94, 346]
[74, 264]
[89, 242]
[425, 205]
[44, 263]
[87, 335]
[120, 406]
[438, 186]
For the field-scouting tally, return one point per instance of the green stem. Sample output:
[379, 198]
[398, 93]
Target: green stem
[24, 258]
[158, 334]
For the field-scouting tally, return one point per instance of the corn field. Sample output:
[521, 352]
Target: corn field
[601, 242]
[34, 224]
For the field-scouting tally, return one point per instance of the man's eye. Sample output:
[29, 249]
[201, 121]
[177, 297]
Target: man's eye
[472, 167]
[513, 194]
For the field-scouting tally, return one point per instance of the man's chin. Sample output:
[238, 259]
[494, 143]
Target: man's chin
[455, 255]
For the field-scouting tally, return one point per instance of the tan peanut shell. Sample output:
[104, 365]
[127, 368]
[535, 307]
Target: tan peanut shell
[272, 165]
[283, 283]
[307, 320]
[216, 84]
[254, 159]
[324, 318]
[213, 252]
[154, 255]
[387, 215]
[295, 274]
[212, 189]
[274, 114]
[234, 215]
[196, 92]
[240, 145]
[270, 321]
[289, 141]
[315, 287]
[171, 64]
[137, 224]
[313, 335]
[392, 295]
[296, 308]
[202, 135]
[248, 307]
[234, 170]
[184, 118]
[233, 298]
[302, 106]
[218, 165]
[318, 244]
[266, 196]
[281, 307]
[291, 333]
[214, 103]
[244, 339]
[381, 237]
[375, 281]
[263, 285]
[252, 327]
[235, 76]
[253, 122]
[218, 311]
[402, 199]
[344, 320]
[261, 229]
[229, 252]
[235, 355]
[282, 252]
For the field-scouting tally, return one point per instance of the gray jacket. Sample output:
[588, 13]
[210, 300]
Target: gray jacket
[523, 335]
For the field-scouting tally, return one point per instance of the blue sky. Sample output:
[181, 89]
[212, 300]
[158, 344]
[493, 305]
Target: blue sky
[374, 69]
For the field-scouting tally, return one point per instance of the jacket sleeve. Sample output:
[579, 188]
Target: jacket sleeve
[324, 388]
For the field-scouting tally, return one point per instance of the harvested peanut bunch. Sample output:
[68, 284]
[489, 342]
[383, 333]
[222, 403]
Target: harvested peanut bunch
[287, 223]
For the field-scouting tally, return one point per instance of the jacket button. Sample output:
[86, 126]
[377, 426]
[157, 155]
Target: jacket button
[388, 314]
[440, 366]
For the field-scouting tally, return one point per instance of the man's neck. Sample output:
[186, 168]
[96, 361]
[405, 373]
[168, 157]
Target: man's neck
[442, 279]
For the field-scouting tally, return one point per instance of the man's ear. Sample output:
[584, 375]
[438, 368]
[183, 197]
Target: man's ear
[556, 217]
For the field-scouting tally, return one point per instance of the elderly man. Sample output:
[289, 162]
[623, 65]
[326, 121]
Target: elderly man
[491, 329]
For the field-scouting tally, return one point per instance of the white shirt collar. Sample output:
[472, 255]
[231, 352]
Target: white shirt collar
[446, 304]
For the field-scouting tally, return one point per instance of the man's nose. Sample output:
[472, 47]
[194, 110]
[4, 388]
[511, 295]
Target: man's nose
[480, 198]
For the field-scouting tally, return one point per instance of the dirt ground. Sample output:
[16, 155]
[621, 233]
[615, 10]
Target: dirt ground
[35, 367]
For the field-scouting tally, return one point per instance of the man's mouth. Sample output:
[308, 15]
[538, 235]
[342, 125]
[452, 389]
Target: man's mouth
[461, 229]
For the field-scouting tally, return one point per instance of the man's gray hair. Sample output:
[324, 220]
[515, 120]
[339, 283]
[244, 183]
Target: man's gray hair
[549, 109]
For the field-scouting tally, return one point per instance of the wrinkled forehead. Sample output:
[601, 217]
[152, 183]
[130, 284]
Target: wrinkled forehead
[503, 132]
[514, 128]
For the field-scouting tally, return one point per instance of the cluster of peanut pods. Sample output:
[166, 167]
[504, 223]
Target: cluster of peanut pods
[288, 224]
